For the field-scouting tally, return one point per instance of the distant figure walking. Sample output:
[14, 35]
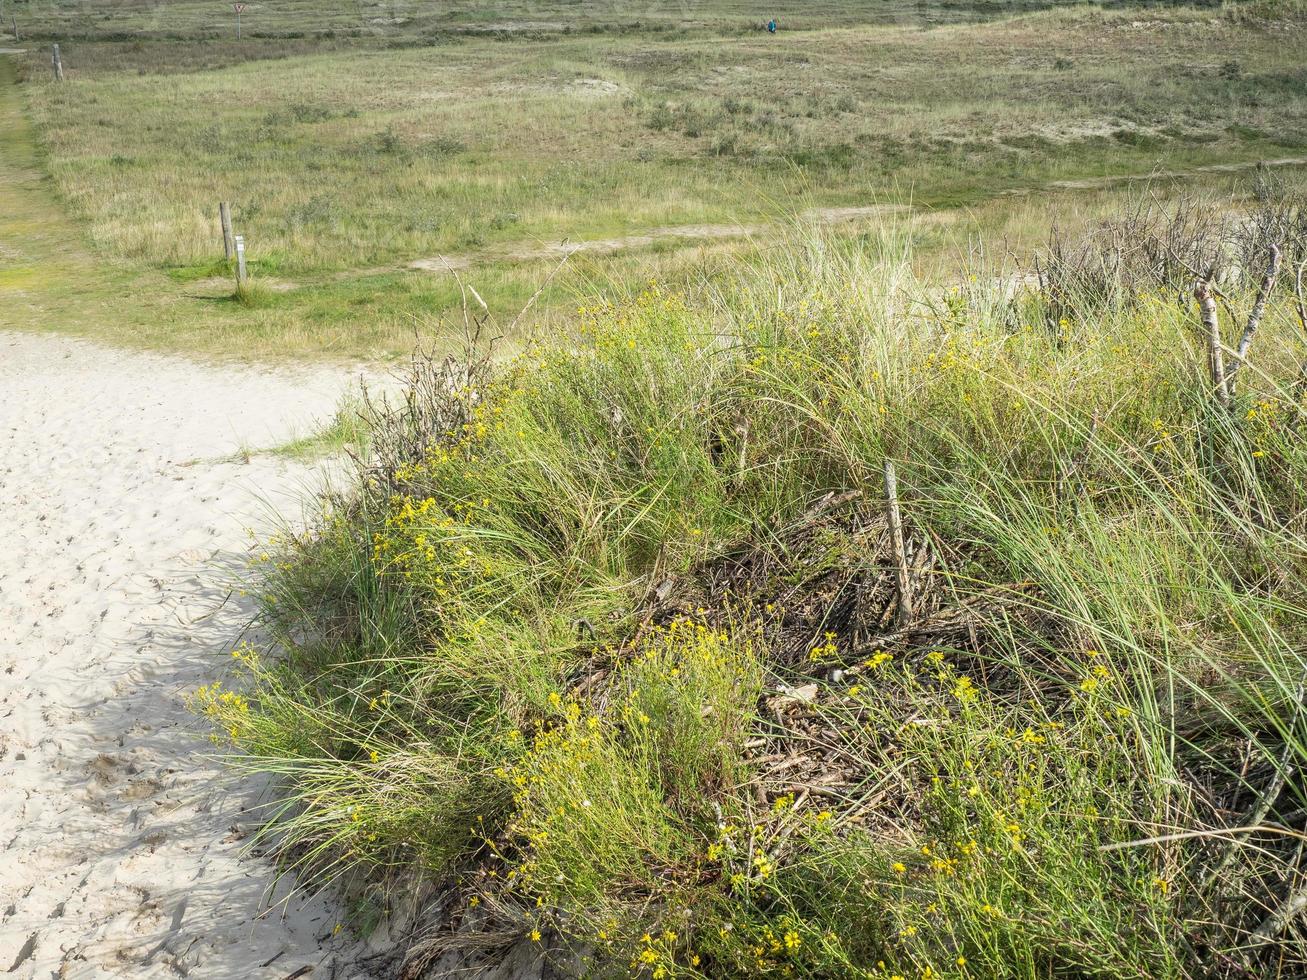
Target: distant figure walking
[771, 26]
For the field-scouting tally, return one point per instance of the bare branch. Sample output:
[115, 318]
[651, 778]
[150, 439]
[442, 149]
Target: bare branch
[1274, 923]
[1212, 326]
[1297, 295]
[1255, 316]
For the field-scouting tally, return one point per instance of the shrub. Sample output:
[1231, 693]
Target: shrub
[609, 635]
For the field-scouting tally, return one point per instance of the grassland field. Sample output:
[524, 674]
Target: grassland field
[355, 140]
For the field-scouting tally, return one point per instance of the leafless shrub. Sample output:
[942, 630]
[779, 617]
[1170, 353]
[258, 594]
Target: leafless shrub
[1117, 261]
[1279, 217]
[434, 407]
[1156, 246]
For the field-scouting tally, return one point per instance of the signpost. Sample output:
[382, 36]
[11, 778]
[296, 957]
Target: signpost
[239, 8]
[241, 274]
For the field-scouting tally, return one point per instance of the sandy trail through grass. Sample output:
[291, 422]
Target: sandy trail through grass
[525, 252]
[529, 252]
[123, 845]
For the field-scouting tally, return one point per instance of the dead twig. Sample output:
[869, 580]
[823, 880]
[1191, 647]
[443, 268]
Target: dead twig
[1079, 461]
[1274, 923]
[536, 295]
[1300, 388]
[1230, 832]
[1269, 795]
[1300, 304]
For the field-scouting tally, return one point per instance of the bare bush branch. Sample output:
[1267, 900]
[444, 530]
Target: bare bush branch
[1212, 331]
[1256, 314]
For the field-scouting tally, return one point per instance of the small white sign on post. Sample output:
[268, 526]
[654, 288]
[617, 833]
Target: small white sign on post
[240, 9]
[240, 260]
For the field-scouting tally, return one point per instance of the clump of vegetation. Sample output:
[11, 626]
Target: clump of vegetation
[254, 295]
[616, 639]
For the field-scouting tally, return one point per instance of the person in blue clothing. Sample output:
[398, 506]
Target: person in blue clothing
[771, 26]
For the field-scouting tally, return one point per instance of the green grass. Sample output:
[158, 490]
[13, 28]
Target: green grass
[348, 157]
[354, 159]
[409, 21]
[580, 643]
[570, 643]
[345, 431]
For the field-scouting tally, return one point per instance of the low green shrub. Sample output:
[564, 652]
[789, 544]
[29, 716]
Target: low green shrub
[608, 635]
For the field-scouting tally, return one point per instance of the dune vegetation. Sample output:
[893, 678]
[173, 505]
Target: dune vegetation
[368, 149]
[845, 516]
[626, 647]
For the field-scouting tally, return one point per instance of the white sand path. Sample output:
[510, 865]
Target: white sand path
[121, 839]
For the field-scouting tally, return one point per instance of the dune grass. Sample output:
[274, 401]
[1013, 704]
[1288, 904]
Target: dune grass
[592, 642]
[349, 160]
[347, 157]
[411, 21]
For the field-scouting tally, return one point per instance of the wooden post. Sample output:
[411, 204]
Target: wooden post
[57, 64]
[241, 275]
[13, 19]
[228, 244]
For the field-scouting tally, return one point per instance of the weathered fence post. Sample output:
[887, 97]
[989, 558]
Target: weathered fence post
[241, 275]
[13, 19]
[57, 64]
[228, 244]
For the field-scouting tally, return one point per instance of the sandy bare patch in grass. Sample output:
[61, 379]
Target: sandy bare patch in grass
[621, 243]
[1091, 183]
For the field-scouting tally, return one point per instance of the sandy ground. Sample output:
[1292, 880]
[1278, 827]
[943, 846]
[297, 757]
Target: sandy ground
[123, 846]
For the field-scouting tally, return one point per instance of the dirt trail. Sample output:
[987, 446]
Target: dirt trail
[1094, 183]
[523, 252]
[121, 841]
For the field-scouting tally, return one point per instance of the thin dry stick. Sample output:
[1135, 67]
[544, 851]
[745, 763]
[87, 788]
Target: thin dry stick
[1265, 828]
[1271, 793]
[896, 542]
[1255, 317]
[1300, 387]
[1297, 295]
[536, 295]
[462, 291]
[1079, 460]
[1281, 917]
[1296, 900]
[1212, 324]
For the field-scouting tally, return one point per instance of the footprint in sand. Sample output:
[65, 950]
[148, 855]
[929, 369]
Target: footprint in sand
[117, 856]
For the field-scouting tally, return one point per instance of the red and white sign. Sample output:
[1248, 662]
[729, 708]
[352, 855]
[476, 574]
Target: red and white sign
[238, 7]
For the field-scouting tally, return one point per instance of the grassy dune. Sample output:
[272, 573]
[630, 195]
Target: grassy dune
[412, 20]
[608, 638]
[348, 157]
[348, 160]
